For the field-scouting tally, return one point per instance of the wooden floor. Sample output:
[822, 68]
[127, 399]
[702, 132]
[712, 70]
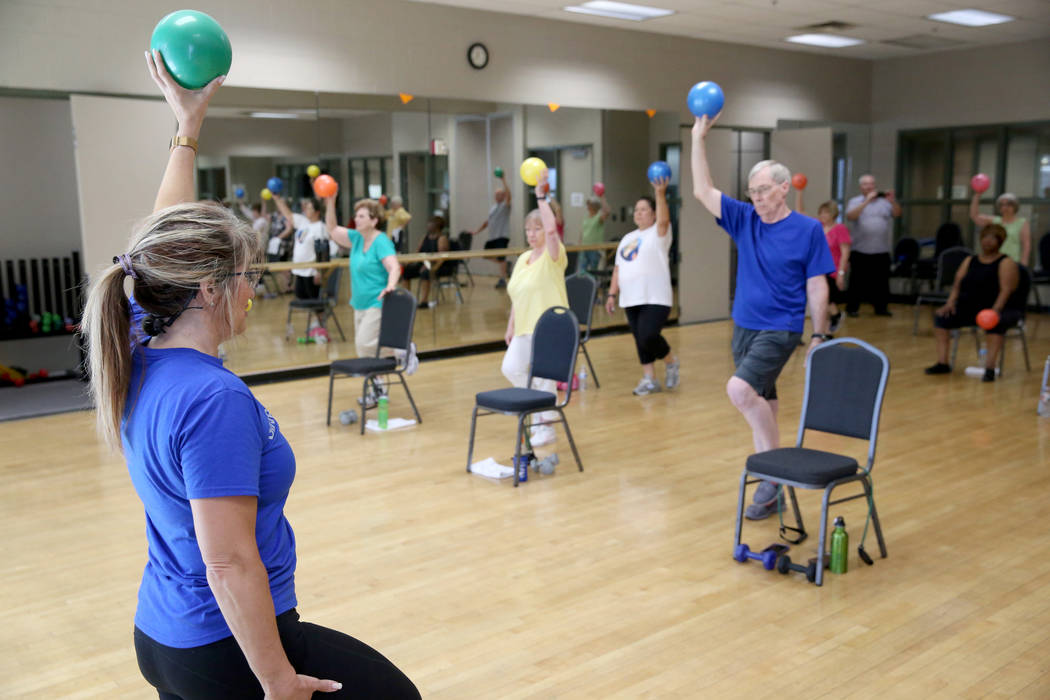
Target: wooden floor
[616, 582]
[481, 317]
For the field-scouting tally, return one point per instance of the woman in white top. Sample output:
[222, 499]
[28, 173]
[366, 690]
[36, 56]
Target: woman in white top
[642, 278]
[309, 227]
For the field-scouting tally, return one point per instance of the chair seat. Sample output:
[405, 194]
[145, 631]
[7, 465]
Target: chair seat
[364, 365]
[516, 399]
[308, 303]
[802, 465]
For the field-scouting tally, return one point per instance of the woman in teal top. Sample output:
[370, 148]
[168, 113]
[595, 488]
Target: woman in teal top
[374, 270]
[1018, 245]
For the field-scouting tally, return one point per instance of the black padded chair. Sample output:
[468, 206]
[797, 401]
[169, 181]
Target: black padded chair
[465, 241]
[1017, 303]
[905, 256]
[845, 384]
[948, 235]
[448, 274]
[947, 265]
[323, 307]
[581, 290]
[395, 332]
[555, 345]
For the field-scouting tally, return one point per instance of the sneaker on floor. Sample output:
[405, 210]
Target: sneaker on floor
[989, 375]
[541, 435]
[939, 368]
[671, 380]
[647, 386]
[760, 511]
[501, 283]
[765, 493]
[836, 322]
[367, 402]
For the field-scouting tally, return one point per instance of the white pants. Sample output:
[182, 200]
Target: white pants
[366, 331]
[515, 368]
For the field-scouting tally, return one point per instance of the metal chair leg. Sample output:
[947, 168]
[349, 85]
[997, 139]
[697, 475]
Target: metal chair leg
[331, 380]
[740, 509]
[821, 544]
[337, 324]
[408, 393]
[364, 402]
[587, 356]
[875, 517]
[572, 443]
[517, 447]
[473, 425]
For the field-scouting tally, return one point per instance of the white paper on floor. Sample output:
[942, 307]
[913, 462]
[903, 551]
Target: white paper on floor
[492, 469]
[391, 424]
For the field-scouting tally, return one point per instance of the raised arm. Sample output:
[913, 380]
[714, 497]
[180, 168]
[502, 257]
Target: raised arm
[604, 213]
[339, 234]
[975, 211]
[552, 242]
[663, 214]
[225, 530]
[703, 187]
[503, 179]
[190, 106]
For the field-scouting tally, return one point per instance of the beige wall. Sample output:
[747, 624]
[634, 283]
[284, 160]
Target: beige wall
[38, 190]
[420, 49]
[993, 85]
[806, 151]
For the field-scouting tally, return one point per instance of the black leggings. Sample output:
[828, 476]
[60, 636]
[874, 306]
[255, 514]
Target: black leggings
[646, 321]
[219, 670]
[306, 288]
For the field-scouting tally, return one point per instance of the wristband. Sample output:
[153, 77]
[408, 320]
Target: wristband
[187, 141]
[822, 336]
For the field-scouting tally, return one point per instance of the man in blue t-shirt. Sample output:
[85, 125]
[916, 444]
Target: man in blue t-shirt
[782, 258]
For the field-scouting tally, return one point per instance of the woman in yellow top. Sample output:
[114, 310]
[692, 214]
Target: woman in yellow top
[537, 284]
[1018, 245]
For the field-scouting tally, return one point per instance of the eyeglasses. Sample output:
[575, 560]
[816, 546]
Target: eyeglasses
[759, 191]
[252, 277]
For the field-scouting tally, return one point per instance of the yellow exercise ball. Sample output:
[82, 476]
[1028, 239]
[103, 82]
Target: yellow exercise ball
[266, 194]
[313, 171]
[531, 169]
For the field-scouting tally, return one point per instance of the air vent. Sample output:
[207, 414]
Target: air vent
[833, 26]
[923, 41]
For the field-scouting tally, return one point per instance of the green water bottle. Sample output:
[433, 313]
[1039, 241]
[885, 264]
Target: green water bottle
[384, 411]
[839, 547]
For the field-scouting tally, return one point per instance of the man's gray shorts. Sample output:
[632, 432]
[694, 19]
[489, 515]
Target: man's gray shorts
[760, 355]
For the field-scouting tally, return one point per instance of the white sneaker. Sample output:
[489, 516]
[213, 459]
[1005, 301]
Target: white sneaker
[542, 435]
[647, 386]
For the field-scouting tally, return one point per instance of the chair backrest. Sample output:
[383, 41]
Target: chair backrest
[581, 290]
[330, 293]
[465, 240]
[905, 253]
[1044, 253]
[1018, 299]
[397, 321]
[948, 263]
[845, 384]
[948, 235]
[571, 261]
[555, 343]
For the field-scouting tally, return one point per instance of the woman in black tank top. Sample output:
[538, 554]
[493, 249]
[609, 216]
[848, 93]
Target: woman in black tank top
[983, 281]
[434, 242]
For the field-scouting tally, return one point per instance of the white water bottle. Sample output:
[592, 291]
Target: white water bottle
[583, 378]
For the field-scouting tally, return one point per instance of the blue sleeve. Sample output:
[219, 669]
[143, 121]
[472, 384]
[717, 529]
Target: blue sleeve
[819, 260]
[384, 246]
[734, 215]
[220, 446]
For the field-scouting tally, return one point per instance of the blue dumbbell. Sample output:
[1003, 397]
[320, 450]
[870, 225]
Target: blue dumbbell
[768, 558]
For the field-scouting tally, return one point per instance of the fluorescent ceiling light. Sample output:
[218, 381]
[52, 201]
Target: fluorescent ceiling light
[273, 115]
[618, 10]
[831, 41]
[971, 18]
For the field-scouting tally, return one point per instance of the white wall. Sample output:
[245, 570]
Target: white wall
[369, 135]
[298, 46]
[38, 189]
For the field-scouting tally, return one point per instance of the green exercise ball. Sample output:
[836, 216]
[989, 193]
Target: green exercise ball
[193, 46]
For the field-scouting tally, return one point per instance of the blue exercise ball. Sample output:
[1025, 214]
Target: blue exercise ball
[659, 170]
[706, 98]
[275, 185]
[239, 193]
[193, 46]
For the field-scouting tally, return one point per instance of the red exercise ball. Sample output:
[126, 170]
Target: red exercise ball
[325, 186]
[382, 200]
[799, 181]
[988, 319]
[980, 183]
[599, 188]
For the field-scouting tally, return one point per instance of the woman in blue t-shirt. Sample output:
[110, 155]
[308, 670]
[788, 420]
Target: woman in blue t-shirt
[216, 614]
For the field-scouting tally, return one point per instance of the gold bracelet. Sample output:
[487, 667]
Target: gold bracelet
[188, 141]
